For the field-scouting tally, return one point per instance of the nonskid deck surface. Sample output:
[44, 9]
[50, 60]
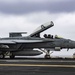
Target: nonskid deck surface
[38, 61]
[37, 67]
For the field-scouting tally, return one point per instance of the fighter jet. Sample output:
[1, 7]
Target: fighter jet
[15, 43]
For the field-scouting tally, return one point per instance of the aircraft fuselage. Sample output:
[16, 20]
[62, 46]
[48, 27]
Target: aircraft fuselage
[18, 44]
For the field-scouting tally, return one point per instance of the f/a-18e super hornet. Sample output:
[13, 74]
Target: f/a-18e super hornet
[15, 43]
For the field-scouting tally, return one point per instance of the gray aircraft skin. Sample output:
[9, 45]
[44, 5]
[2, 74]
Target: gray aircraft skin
[16, 43]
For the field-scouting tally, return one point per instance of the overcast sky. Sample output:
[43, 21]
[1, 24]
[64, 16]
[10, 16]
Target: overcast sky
[27, 15]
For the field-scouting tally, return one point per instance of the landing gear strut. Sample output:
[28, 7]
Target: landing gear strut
[47, 51]
[47, 56]
[3, 55]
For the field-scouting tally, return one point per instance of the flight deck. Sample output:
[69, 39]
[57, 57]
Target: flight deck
[37, 66]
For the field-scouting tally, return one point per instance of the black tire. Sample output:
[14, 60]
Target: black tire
[2, 56]
[47, 56]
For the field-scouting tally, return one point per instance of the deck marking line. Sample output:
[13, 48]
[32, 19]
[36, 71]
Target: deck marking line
[38, 65]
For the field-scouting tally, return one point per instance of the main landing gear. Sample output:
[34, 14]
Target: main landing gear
[47, 51]
[3, 55]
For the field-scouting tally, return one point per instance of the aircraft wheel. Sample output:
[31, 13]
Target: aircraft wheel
[2, 56]
[47, 56]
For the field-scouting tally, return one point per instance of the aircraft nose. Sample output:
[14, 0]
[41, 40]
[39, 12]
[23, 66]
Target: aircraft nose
[72, 44]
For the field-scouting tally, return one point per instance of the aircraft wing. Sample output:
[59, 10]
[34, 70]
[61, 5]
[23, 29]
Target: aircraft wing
[32, 41]
[20, 41]
[25, 41]
[7, 42]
